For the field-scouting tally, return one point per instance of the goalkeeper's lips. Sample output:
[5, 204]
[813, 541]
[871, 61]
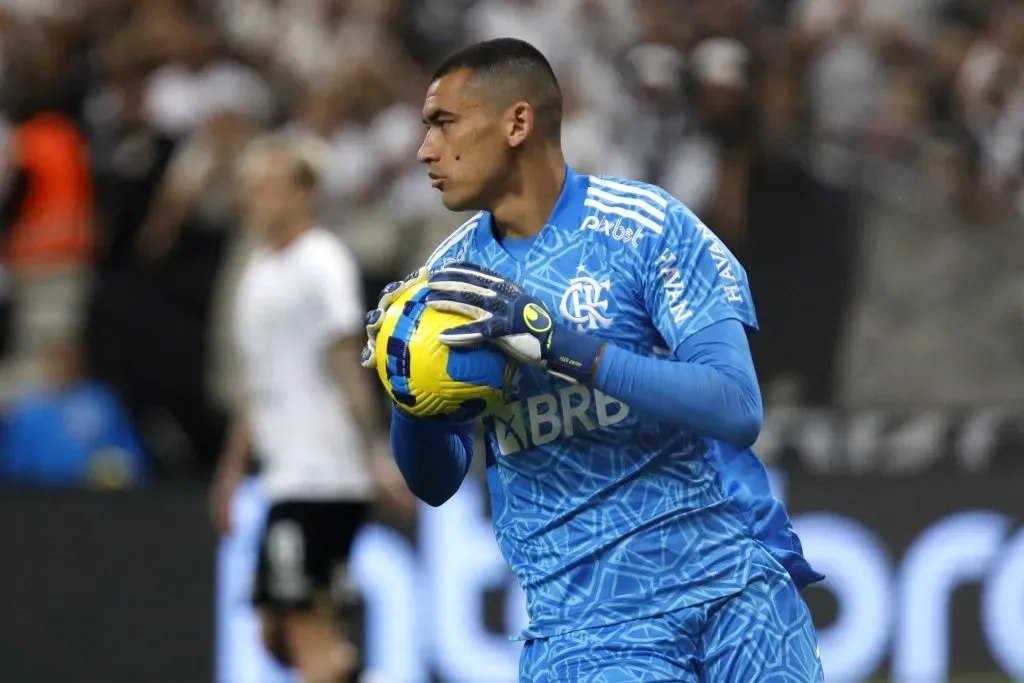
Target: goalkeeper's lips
[436, 181]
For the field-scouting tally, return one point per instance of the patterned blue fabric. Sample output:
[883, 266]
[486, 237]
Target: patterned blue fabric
[763, 634]
[604, 515]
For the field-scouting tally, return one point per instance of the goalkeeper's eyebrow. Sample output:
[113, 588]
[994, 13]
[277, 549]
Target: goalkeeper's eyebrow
[435, 117]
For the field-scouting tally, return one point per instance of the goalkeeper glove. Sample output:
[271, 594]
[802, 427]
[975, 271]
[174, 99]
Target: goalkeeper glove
[518, 323]
[375, 318]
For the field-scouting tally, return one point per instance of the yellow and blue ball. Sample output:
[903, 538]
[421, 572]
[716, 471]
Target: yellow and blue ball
[427, 379]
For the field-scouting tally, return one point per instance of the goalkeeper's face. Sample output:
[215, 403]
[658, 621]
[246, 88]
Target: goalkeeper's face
[465, 148]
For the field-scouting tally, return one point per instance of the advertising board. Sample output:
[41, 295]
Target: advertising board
[925, 578]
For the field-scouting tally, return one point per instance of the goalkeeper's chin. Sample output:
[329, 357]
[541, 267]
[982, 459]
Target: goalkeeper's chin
[457, 202]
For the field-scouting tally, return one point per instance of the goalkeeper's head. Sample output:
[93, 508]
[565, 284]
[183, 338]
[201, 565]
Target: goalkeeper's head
[491, 110]
[280, 175]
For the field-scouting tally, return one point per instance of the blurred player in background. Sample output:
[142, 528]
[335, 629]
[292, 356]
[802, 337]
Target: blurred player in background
[307, 416]
[625, 494]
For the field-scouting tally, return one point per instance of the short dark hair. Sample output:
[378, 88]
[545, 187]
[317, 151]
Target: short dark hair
[516, 71]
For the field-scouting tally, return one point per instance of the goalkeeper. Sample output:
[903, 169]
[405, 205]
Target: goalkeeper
[624, 492]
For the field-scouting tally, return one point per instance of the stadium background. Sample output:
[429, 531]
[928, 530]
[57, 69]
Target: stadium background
[864, 158]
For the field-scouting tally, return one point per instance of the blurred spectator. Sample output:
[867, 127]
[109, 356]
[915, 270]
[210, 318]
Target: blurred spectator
[657, 117]
[49, 237]
[129, 158]
[52, 226]
[182, 96]
[992, 86]
[539, 22]
[709, 171]
[937, 318]
[845, 74]
[71, 433]
[373, 185]
[198, 191]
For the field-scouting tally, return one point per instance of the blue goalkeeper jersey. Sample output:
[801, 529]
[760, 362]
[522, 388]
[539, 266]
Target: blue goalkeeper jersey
[605, 515]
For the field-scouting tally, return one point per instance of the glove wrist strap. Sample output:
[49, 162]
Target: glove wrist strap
[572, 354]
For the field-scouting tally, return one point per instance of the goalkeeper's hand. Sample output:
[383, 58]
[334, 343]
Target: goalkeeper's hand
[375, 318]
[505, 315]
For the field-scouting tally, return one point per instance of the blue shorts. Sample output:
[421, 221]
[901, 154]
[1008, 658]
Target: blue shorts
[763, 634]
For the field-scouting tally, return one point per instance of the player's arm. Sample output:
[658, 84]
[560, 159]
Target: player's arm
[175, 198]
[710, 389]
[341, 331]
[237, 451]
[340, 300]
[433, 456]
[231, 466]
[697, 296]
[355, 387]
[362, 405]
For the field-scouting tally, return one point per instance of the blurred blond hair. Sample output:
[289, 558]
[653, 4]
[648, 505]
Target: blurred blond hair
[306, 149]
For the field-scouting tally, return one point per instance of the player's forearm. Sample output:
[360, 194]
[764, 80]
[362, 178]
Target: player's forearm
[237, 449]
[432, 457]
[363, 408]
[359, 395]
[710, 390]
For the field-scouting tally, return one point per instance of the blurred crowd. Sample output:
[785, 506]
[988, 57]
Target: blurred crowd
[863, 158]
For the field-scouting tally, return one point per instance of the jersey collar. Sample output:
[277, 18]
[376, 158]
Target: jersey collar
[565, 215]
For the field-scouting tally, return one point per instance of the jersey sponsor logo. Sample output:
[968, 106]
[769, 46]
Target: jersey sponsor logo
[613, 229]
[546, 418]
[675, 287]
[585, 303]
[669, 271]
[723, 264]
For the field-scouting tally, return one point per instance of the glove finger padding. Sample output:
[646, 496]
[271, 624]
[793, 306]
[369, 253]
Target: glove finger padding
[396, 289]
[456, 280]
[468, 335]
[467, 268]
[373, 321]
[465, 295]
[368, 356]
[461, 287]
[469, 303]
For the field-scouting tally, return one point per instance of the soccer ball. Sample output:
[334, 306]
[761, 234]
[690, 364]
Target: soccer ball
[424, 377]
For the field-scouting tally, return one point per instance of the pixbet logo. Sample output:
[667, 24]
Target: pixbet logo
[614, 229]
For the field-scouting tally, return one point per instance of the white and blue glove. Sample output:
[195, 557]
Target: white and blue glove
[516, 322]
